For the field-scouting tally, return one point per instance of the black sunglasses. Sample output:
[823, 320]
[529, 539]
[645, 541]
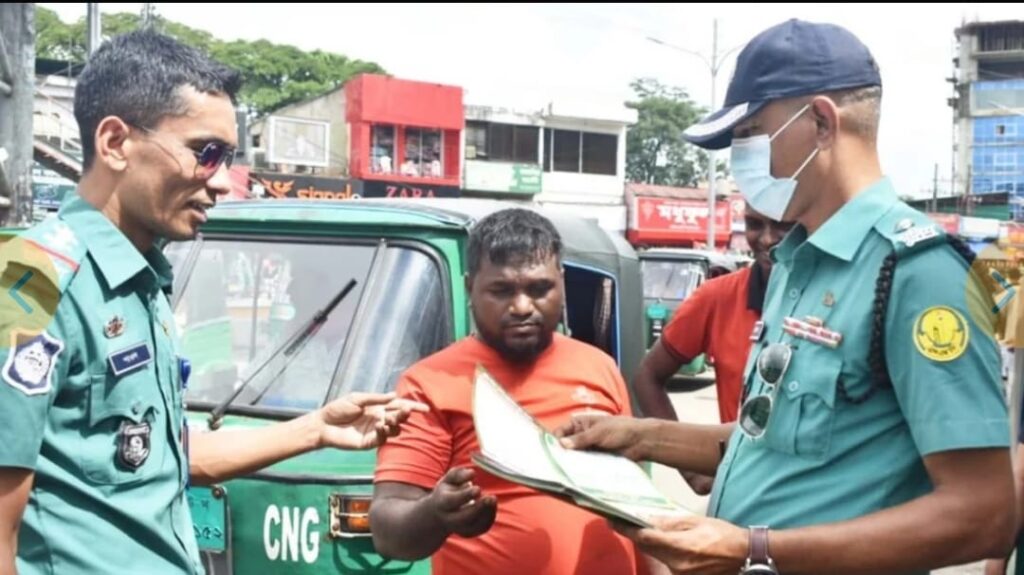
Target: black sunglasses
[772, 363]
[208, 158]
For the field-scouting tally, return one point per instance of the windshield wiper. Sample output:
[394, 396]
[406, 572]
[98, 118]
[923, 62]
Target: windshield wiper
[188, 265]
[290, 347]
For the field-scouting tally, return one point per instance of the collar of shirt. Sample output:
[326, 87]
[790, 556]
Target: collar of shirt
[842, 234]
[757, 287]
[116, 258]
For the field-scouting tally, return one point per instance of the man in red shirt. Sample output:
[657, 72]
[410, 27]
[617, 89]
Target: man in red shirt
[428, 499]
[717, 320]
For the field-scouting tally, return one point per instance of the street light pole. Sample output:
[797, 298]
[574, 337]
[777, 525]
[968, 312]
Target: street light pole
[714, 65]
[94, 30]
[711, 153]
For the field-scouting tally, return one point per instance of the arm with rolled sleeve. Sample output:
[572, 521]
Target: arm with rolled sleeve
[408, 469]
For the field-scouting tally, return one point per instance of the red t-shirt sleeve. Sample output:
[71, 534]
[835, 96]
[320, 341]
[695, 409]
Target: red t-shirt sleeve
[421, 452]
[688, 334]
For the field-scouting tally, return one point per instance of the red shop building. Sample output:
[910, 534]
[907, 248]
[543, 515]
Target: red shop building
[376, 136]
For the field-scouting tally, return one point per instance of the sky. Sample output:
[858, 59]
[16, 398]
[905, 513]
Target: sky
[530, 54]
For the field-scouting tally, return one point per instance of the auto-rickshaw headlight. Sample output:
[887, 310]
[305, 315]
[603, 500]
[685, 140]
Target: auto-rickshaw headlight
[350, 515]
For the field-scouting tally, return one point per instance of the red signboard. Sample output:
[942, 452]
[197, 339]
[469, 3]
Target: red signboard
[666, 221]
[377, 99]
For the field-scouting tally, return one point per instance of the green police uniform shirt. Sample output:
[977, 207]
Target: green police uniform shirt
[823, 457]
[93, 405]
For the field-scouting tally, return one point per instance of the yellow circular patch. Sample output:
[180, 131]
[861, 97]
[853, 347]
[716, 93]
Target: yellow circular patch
[941, 333]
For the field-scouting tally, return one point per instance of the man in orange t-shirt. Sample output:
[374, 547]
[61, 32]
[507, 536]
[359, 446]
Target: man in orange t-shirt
[428, 498]
[717, 319]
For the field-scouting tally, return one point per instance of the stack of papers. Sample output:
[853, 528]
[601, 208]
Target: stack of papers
[515, 447]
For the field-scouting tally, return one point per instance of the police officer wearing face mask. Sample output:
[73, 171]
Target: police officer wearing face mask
[872, 435]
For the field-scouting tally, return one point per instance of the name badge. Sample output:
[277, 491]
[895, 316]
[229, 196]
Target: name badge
[130, 359]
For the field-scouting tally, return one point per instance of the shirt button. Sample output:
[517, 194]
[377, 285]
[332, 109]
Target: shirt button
[136, 408]
[794, 293]
[794, 386]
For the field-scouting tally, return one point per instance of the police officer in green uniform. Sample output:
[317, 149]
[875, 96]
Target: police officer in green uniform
[873, 435]
[94, 453]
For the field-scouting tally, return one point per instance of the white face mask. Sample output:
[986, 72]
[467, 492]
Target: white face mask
[751, 167]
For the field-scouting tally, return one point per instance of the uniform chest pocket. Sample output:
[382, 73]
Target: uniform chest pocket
[804, 410]
[126, 431]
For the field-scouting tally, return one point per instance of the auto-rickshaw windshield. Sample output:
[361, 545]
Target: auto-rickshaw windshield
[244, 299]
[671, 280]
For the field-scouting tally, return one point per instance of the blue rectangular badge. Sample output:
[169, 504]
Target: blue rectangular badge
[130, 358]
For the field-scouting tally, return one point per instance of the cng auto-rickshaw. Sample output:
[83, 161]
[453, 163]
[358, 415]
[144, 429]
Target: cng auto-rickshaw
[388, 274]
[670, 275]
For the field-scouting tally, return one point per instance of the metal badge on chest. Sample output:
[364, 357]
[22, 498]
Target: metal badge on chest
[114, 327]
[133, 444]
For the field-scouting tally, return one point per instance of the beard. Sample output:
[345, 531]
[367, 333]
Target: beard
[518, 350]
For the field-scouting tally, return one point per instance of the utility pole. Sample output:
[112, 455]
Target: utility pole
[94, 28]
[954, 103]
[148, 15]
[968, 201]
[935, 189]
[712, 156]
[17, 84]
[714, 64]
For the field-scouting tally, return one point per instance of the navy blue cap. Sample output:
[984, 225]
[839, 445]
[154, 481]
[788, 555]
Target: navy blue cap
[795, 58]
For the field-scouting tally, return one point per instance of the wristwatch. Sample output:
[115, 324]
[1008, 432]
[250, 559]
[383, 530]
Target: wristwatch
[759, 562]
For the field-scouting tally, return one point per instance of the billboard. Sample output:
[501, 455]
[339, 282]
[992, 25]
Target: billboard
[298, 141]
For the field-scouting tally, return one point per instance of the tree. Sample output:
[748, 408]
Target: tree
[655, 150]
[275, 74]
[55, 39]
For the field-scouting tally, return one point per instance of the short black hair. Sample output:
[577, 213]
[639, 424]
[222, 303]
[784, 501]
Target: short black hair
[861, 110]
[137, 77]
[516, 236]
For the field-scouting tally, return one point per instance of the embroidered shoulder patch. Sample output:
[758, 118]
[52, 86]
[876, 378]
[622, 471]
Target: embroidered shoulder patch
[30, 363]
[941, 333]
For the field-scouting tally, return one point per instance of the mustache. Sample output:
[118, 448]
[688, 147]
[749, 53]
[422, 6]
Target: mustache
[514, 323]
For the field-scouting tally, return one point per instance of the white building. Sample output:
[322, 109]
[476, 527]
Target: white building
[58, 147]
[566, 157]
[53, 117]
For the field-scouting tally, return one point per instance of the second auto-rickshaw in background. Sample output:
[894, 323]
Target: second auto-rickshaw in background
[670, 275]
